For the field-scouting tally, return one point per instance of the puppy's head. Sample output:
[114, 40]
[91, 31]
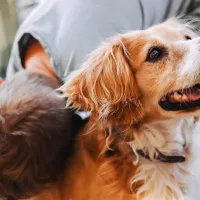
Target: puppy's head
[152, 73]
[35, 133]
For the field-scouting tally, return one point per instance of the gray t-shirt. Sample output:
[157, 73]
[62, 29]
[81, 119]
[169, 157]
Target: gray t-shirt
[70, 29]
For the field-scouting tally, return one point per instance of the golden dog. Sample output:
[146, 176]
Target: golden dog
[142, 90]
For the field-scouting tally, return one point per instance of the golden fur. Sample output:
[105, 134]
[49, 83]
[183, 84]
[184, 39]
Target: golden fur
[122, 90]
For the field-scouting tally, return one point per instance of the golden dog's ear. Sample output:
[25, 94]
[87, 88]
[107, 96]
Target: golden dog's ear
[106, 85]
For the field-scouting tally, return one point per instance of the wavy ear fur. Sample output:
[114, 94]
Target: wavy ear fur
[106, 85]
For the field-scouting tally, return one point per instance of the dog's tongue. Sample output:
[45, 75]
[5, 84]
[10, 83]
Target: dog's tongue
[194, 95]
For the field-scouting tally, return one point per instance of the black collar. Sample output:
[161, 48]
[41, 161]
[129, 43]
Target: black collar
[162, 158]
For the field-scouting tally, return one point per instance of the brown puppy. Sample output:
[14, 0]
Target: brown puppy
[35, 134]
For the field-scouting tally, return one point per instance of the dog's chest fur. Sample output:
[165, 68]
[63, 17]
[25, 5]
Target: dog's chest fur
[121, 176]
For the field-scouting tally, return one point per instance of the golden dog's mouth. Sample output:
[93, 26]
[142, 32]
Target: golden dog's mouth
[181, 99]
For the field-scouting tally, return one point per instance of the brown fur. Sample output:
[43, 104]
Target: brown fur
[35, 134]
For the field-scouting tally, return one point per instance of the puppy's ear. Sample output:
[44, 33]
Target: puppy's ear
[106, 85]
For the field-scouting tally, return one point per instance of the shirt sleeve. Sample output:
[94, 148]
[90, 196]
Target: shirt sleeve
[42, 24]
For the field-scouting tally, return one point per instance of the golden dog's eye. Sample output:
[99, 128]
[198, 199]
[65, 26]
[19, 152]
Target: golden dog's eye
[154, 54]
[187, 37]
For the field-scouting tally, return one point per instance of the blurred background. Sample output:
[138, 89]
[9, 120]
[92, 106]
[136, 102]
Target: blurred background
[12, 13]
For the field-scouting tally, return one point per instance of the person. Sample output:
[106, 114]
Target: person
[59, 34]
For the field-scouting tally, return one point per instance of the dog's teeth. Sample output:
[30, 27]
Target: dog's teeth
[184, 97]
[177, 96]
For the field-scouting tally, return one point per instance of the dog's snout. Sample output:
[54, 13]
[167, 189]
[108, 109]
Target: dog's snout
[60, 91]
